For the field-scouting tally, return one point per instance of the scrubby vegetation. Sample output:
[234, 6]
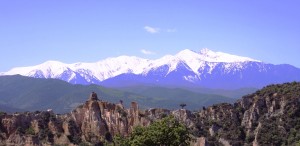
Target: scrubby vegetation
[275, 111]
[167, 131]
[283, 127]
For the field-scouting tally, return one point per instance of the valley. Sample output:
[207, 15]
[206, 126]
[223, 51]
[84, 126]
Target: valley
[20, 93]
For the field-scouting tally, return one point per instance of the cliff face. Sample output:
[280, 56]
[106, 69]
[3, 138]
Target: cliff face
[93, 122]
[31, 128]
[269, 116]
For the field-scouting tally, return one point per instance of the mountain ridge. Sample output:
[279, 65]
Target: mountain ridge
[205, 55]
[30, 94]
[186, 68]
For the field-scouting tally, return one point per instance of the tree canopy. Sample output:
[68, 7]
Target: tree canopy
[165, 132]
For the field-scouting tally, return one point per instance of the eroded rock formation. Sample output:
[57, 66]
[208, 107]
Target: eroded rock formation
[93, 122]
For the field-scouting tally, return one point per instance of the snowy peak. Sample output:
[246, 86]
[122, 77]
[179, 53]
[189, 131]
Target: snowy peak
[49, 69]
[184, 54]
[211, 56]
[205, 51]
[204, 68]
[205, 57]
[197, 62]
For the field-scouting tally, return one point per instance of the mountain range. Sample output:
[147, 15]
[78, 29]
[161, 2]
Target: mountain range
[19, 93]
[187, 68]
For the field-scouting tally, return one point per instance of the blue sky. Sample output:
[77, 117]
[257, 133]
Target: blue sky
[34, 31]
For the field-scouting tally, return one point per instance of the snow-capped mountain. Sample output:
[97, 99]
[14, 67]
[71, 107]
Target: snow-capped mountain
[187, 68]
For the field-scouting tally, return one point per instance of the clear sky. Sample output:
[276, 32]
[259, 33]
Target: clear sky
[34, 31]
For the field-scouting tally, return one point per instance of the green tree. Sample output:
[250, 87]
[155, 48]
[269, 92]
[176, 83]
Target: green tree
[165, 132]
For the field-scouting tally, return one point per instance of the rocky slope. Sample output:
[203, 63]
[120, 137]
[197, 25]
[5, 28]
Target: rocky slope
[93, 122]
[270, 116]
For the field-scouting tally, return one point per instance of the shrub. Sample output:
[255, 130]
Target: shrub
[30, 131]
[167, 131]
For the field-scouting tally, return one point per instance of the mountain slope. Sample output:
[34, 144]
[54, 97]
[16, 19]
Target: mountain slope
[31, 94]
[237, 93]
[185, 69]
[270, 116]
[177, 95]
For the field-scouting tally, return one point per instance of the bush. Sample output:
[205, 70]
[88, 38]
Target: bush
[167, 131]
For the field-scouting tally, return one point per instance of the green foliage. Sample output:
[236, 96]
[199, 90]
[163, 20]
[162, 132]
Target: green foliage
[2, 113]
[149, 90]
[121, 141]
[298, 143]
[294, 137]
[286, 130]
[170, 98]
[287, 89]
[30, 131]
[167, 131]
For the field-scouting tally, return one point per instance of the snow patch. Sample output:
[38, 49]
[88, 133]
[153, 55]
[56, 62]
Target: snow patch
[191, 78]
